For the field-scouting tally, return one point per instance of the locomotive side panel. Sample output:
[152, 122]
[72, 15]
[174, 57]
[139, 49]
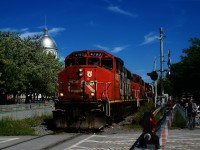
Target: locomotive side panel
[105, 84]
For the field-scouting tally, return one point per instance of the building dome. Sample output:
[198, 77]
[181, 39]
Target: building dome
[48, 43]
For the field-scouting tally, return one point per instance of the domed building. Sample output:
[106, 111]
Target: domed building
[48, 43]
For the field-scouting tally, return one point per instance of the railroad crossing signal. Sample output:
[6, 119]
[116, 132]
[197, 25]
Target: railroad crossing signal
[153, 75]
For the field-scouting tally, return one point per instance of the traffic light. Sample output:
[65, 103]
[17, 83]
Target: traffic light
[153, 75]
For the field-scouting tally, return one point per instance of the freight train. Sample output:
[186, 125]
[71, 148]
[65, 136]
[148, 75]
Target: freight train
[95, 89]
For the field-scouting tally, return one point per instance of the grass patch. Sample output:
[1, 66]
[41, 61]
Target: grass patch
[178, 121]
[136, 127]
[147, 107]
[160, 114]
[138, 116]
[9, 126]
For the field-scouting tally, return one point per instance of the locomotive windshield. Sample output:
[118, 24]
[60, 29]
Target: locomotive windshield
[69, 62]
[136, 79]
[93, 61]
[90, 58]
[78, 61]
[107, 63]
[81, 61]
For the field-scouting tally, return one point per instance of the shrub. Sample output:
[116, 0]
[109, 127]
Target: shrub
[178, 121]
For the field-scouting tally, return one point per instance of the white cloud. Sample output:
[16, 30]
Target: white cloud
[116, 9]
[31, 34]
[101, 47]
[54, 31]
[150, 38]
[25, 32]
[118, 49]
[23, 29]
[14, 30]
[114, 50]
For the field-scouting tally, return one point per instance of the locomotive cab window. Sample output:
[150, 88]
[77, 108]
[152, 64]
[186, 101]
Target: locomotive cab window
[81, 61]
[93, 61]
[136, 79]
[107, 63]
[69, 62]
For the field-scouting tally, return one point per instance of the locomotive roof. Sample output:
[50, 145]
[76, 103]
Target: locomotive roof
[92, 50]
[87, 51]
[101, 51]
[119, 59]
[136, 75]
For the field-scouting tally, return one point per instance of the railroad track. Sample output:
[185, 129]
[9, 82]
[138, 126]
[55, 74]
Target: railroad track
[61, 141]
[48, 141]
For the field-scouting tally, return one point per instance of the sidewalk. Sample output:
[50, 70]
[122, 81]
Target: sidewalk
[14, 107]
[21, 111]
[183, 139]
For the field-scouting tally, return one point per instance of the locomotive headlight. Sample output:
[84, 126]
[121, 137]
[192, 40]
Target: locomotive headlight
[80, 72]
[92, 94]
[61, 94]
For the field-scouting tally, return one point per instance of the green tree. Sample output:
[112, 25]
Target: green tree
[185, 74]
[25, 68]
[10, 47]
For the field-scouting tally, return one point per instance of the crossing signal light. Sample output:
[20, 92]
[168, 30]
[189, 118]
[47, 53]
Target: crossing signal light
[153, 75]
[168, 75]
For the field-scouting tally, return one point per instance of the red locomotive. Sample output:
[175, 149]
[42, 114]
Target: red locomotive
[95, 89]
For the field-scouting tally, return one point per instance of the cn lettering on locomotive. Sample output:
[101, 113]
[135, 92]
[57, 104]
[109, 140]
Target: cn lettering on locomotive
[89, 74]
[95, 88]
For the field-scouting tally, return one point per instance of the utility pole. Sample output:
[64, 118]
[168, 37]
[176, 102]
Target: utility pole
[161, 61]
[154, 74]
[155, 85]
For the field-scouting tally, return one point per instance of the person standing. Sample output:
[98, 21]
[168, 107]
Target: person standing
[192, 111]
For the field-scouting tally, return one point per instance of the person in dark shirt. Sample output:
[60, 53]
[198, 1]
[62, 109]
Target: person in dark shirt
[192, 110]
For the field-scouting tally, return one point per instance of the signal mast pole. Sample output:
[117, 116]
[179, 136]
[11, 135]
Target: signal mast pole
[161, 61]
[155, 85]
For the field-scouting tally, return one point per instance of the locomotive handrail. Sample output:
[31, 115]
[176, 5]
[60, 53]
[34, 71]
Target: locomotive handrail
[107, 89]
[108, 102]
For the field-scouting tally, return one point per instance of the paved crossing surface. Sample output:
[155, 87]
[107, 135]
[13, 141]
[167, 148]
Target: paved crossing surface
[101, 142]
[184, 139]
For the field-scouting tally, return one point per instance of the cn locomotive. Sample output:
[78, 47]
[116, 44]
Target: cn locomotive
[95, 89]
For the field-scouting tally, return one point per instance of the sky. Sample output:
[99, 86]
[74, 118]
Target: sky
[128, 29]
